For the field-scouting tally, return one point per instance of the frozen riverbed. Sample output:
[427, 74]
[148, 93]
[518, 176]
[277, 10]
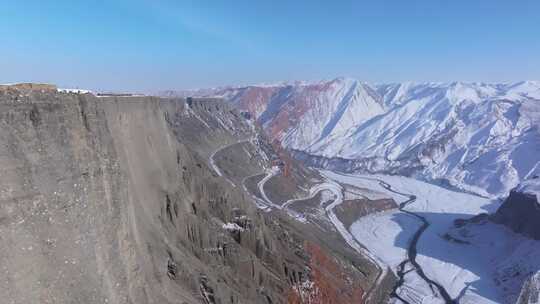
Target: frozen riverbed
[466, 272]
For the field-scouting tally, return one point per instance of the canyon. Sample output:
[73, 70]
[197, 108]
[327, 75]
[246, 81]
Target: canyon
[478, 139]
[116, 200]
[325, 192]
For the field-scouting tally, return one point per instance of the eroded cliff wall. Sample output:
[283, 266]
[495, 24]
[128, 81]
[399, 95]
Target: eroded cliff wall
[112, 200]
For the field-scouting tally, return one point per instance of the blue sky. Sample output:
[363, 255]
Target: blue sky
[150, 45]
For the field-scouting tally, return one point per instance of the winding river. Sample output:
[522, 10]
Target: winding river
[412, 251]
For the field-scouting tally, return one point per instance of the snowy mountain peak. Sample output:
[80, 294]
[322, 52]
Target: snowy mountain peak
[476, 136]
[480, 137]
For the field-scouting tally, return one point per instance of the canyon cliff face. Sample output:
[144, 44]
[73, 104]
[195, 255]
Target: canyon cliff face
[113, 200]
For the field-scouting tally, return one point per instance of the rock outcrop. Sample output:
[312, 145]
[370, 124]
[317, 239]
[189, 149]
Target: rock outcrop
[28, 87]
[521, 210]
[511, 235]
[113, 200]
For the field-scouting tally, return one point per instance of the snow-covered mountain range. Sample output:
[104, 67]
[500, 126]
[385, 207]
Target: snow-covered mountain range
[478, 137]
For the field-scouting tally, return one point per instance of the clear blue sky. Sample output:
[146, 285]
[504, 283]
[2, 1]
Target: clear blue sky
[150, 45]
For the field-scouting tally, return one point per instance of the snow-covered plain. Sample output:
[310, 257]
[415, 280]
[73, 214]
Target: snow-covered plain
[471, 273]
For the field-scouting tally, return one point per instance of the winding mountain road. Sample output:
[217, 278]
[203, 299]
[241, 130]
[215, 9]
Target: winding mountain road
[328, 185]
[213, 162]
[337, 190]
